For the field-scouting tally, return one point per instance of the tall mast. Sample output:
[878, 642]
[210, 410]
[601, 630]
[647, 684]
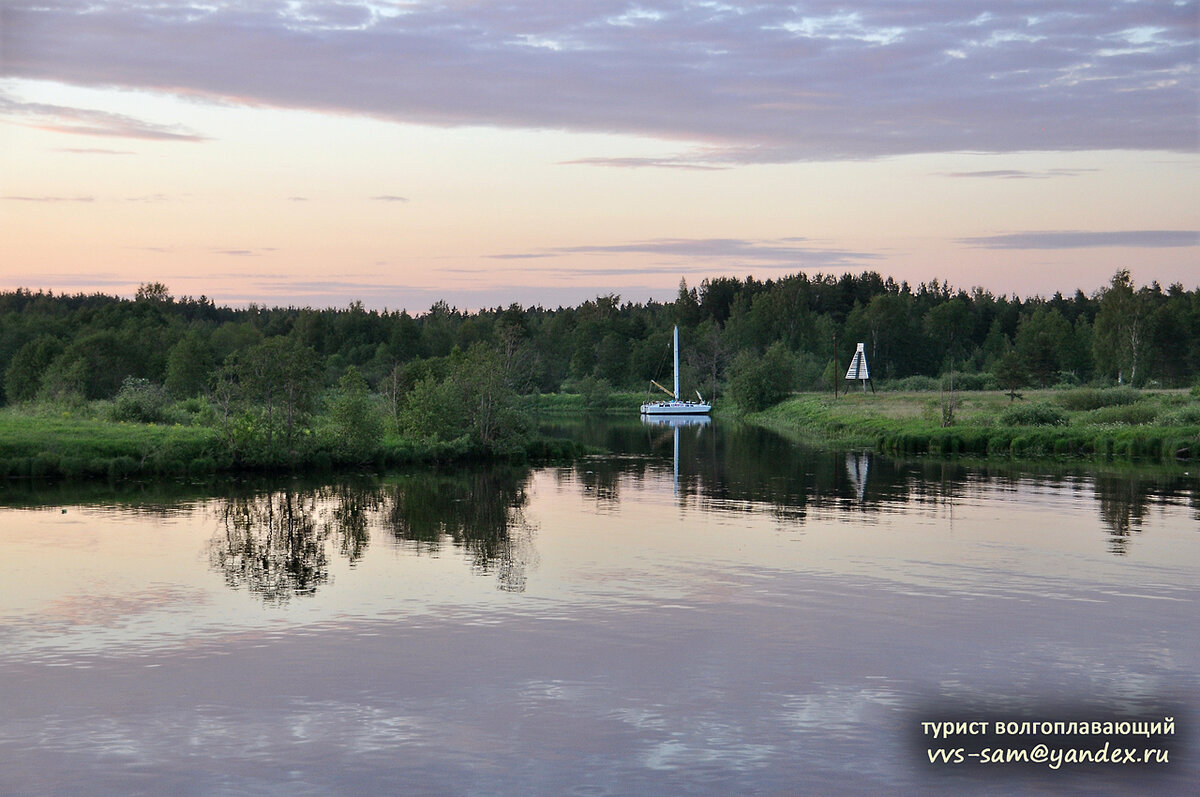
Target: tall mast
[677, 363]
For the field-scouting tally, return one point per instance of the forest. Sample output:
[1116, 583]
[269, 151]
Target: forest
[271, 380]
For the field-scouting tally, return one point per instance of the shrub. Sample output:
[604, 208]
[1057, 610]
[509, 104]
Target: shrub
[1035, 414]
[1092, 399]
[355, 424]
[1188, 415]
[913, 384]
[760, 382]
[597, 393]
[121, 467]
[1131, 414]
[140, 401]
[964, 381]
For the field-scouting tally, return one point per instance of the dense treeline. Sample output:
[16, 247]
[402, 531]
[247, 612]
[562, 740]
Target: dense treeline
[58, 347]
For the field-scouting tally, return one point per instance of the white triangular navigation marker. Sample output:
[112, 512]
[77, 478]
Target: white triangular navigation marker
[858, 366]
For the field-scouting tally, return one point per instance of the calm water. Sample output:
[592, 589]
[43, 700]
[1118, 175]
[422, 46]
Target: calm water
[743, 617]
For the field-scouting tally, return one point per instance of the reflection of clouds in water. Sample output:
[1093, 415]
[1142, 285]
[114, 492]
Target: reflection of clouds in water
[711, 745]
[688, 742]
[110, 611]
[351, 728]
[554, 690]
[842, 711]
[361, 729]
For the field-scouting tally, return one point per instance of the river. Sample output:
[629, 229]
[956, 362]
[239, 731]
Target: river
[707, 610]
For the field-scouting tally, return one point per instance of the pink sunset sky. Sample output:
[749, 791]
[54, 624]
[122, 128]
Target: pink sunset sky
[398, 153]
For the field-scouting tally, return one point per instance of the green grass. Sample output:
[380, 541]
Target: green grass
[987, 424]
[575, 403]
[50, 444]
[76, 442]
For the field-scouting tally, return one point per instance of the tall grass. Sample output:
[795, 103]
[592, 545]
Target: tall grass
[1152, 427]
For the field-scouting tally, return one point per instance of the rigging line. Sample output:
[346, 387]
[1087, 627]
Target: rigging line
[658, 370]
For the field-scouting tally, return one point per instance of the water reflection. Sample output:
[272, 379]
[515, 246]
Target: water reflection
[1123, 506]
[675, 423]
[480, 512]
[732, 468]
[271, 544]
[277, 543]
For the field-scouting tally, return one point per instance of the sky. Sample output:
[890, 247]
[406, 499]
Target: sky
[485, 153]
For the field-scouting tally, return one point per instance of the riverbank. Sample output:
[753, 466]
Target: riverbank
[1107, 424]
[50, 443]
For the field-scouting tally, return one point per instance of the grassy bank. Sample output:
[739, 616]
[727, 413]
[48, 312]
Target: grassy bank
[78, 443]
[1113, 424]
[551, 404]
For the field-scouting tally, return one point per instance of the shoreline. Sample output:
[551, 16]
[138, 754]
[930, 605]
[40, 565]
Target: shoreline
[907, 424]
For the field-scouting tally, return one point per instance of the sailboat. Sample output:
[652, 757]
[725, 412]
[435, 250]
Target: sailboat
[676, 406]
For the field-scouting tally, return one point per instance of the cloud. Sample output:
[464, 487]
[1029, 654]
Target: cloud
[389, 198]
[781, 253]
[91, 122]
[244, 252]
[51, 198]
[680, 162]
[734, 82]
[1077, 239]
[1019, 174]
[93, 151]
[68, 281]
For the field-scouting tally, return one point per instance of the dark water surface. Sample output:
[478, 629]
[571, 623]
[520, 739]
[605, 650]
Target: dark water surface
[745, 617]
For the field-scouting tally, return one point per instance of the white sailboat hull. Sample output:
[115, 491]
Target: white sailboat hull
[676, 408]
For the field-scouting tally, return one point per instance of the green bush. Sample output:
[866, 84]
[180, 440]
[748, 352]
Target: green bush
[1188, 415]
[1092, 399]
[597, 393]
[121, 467]
[140, 401]
[1035, 414]
[965, 381]
[44, 466]
[1130, 414]
[760, 382]
[913, 384]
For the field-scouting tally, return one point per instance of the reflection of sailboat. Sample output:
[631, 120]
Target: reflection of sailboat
[856, 468]
[675, 423]
[676, 406]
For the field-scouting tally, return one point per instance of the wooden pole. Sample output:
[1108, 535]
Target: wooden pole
[835, 366]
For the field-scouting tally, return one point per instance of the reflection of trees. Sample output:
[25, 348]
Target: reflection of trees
[480, 512]
[347, 517]
[1123, 503]
[271, 544]
[277, 543]
[734, 467]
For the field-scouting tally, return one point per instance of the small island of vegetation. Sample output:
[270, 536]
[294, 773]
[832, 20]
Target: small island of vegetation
[96, 385]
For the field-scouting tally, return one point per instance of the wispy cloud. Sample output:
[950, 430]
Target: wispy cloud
[750, 82]
[99, 280]
[91, 122]
[51, 198]
[1079, 239]
[232, 252]
[1020, 174]
[780, 252]
[93, 151]
[680, 162]
[389, 198]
